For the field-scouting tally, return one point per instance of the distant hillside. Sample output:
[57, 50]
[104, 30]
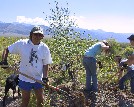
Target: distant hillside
[16, 28]
[19, 29]
[100, 35]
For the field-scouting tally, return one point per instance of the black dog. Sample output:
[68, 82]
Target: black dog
[11, 83]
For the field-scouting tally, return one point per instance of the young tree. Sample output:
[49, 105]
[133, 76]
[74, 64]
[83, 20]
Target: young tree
[60, 21]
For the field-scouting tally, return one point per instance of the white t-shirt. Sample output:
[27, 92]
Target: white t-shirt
[33, 57]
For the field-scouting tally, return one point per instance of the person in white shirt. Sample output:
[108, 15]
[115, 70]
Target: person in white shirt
[35, 59]
[130, 69]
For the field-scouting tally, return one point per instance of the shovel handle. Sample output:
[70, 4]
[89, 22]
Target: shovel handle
[39, 81]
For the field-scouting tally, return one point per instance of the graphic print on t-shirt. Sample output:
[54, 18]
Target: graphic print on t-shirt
[33, 58]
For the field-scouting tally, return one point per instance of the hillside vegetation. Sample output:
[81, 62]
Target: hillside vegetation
[70, 51]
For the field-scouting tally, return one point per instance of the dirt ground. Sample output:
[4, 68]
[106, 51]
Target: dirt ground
[106, 97]
[10, 102]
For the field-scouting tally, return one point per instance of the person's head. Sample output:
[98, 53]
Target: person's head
[106, 49]
[128, 53]
[36, 33]
[131, 38]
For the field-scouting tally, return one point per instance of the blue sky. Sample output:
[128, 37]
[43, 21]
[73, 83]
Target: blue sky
[108, 15]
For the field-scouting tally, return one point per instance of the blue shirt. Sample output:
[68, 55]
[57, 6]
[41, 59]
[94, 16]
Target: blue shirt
[93, 50]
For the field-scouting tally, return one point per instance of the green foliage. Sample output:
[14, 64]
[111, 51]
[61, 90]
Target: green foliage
[68, 50]
[128, 51]
[60, 22]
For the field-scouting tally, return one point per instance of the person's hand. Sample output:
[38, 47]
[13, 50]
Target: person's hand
[100, 64]
[4, 64]
[124, 65]
[45, 80]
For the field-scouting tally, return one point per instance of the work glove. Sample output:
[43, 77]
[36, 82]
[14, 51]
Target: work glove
[45, 80]
[4, 64]
[100, 64]
[125, 66]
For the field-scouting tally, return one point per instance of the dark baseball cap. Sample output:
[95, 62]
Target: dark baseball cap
[131, 37]
[37, 29]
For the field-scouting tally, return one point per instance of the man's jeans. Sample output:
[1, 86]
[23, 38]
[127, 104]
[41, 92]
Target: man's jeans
[91, 77]
[128, 76]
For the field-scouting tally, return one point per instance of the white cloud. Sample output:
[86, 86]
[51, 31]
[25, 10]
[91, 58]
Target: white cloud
[35, 21]
[107, 23]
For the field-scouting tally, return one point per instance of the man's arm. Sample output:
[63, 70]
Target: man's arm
[105, 47]
[4, 63]
[45, 71]
[5, 54]
[45, 74]
[130, 60]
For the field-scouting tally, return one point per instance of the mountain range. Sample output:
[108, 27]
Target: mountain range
[22, 29]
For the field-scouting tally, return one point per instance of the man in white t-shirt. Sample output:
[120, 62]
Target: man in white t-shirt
[35, 59]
